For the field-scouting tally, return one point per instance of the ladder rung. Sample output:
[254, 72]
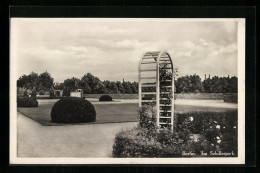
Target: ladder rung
[148, 101]
[165, 99]
[148, 77]
[166, 81]
[149, 57]
[148, 70]
[165, 63]
[148, 85]
[148, 93]
[165, 93]
[164, 117]
[149, 62]
[164, 57]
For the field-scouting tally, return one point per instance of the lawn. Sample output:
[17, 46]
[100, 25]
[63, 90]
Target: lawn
[106, 113]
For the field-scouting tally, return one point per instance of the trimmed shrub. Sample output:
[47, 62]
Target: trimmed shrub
[73, 110]
[27, 102]
[105, 98]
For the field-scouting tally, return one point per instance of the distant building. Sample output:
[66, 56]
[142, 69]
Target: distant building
[77, 93]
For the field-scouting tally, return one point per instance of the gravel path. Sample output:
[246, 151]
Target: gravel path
[93, 140]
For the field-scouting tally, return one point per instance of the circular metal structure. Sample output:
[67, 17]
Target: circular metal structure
[156, 85]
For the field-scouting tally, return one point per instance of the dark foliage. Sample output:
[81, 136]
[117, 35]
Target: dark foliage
[189, 84]
[147, 140]
[33, 81]
[217, 129]
[217, 132]
[105, 98]
[27, 102]
[220, 85]
[73, 110]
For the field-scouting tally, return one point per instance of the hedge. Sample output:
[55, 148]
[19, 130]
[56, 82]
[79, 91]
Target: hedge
[73, 110]
[27, 102]
[105, 98]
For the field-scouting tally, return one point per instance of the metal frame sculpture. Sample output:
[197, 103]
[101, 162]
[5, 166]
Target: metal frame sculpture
[156, 85]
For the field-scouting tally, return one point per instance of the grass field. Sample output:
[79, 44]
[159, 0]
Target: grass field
[106, 113]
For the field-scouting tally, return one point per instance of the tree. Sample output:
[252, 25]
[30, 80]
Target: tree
[232, 84]
[220, 85]
[22, 81]
[70, 85]
[120, 87]
[187, 84]
[134, 87]
[100, 88]
[107, 85]
[42, 82]
[59, 86]
[127, 87]
[93, 82]
[33, 81]
[45, 82]
[207, 85]
[113, 88]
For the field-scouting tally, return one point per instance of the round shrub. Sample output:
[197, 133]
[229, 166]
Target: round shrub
[27, 102]
[105, 98]
[73, 110]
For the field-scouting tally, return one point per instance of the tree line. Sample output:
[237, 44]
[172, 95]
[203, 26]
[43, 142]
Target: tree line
[90, 84]
[193, 84]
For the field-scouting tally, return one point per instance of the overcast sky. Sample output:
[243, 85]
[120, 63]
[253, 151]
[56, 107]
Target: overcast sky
[111, 48]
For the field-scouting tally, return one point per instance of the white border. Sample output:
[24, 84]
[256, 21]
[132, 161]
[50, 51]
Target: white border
[60, 160]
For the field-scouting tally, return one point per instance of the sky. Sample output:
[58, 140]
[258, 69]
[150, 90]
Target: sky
[111, 48]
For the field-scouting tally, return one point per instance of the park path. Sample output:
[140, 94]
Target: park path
[93, 140]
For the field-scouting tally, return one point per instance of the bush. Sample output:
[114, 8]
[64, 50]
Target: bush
[146, 140]
[73, 110]
[26, 102]
[105, 98]
[135, 143]
[217, 132]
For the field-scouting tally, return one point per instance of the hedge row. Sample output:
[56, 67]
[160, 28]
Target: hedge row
[26, 102]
